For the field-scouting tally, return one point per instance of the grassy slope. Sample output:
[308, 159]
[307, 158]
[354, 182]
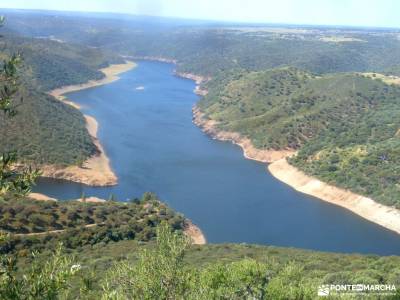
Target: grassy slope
[345, 125]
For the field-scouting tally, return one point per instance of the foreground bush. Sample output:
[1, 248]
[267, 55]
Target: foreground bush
[161, 273]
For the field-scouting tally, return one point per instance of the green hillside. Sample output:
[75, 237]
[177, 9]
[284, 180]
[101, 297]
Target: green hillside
[45, 130]
[52, 64]
[345, 126]
[81, 223]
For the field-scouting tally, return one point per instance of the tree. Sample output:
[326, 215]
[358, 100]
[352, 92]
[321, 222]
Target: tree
[159, 274]
[44, 281]
[162, 273]
[14, 180]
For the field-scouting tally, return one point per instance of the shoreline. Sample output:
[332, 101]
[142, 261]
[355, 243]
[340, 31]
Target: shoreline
[43, 197]
[198, 90]
[385, 216]
[96, 170]
[249, 151]
[198, 79]
[152, 58]
[111, 74]
[362, 206]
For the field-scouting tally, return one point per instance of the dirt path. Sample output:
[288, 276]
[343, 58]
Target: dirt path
[54, 231]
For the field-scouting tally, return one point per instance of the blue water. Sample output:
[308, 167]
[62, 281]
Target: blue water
[154, 146]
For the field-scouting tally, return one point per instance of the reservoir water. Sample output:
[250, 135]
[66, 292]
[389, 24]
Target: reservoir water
[154, 146]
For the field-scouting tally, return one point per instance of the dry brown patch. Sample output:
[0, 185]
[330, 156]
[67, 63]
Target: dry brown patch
[194, 233]
[40, 197]
[340, 39]
[388, 79]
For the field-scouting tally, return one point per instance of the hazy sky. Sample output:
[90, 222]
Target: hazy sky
[383, 13]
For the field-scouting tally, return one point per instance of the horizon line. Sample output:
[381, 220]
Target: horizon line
[253, 23]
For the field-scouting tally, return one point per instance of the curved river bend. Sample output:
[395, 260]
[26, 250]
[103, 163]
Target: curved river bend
[154, 146]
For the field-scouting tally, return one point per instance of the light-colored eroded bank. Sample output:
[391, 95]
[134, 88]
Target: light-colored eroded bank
[96, 170]
[278, 166]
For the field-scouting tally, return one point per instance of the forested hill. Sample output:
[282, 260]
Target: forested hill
[207, 48]
[45, 130]
[345, 126]
[51, 63]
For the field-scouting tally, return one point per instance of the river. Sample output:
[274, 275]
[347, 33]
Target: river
[154, 146]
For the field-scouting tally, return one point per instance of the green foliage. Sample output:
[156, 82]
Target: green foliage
[45, 130]
[81, 223]
[369, 169]
[15, 182]
[158, 274]
[52, 64]
[48, 280]
[161, 273]
[245, 279]
[290, 283]
[345, 126]
[12, 181]
[171, 269]
[9, 85]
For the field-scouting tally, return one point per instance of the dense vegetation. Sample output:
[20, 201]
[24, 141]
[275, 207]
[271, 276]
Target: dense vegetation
[77, 224]
[12, 182]
[49, 64]
[46, 131]
[345, 125]
[171, 269]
